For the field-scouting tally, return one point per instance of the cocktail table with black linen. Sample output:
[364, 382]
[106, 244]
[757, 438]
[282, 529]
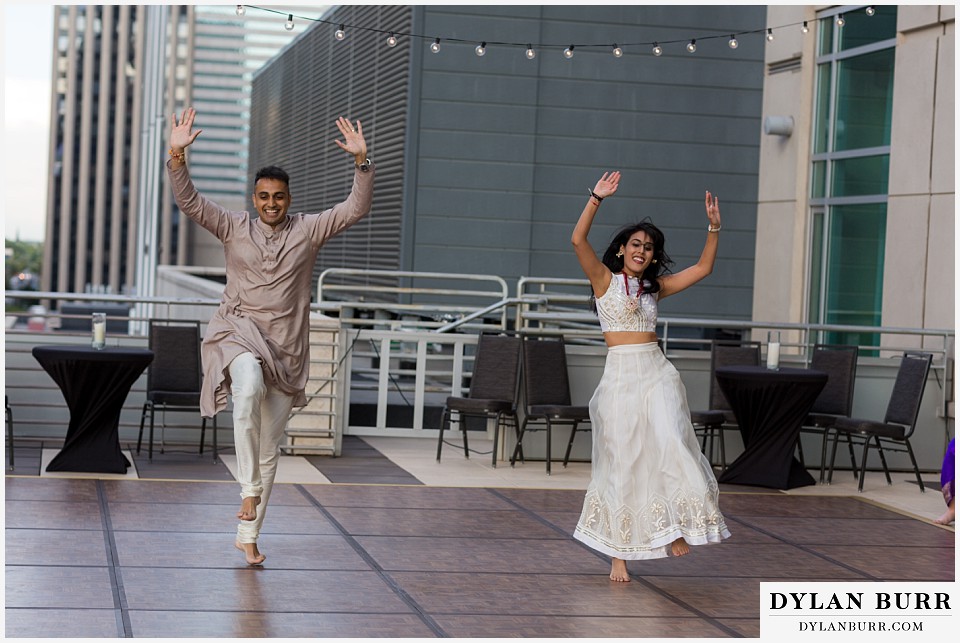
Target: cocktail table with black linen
[770, 405]
[95, 384]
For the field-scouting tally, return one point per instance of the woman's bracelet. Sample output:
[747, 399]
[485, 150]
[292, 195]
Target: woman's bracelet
[710, 228]
[177, 156]
[594, 195]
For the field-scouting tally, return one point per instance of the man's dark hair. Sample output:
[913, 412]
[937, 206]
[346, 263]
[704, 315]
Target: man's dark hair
[272, 172]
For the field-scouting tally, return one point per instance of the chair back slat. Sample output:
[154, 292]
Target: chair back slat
[545, 372]
[724, 353]
[904, 406]
[496, 368]
[839, 362]
[176, 357]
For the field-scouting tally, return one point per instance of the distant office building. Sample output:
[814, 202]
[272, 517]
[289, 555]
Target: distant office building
[104, 65]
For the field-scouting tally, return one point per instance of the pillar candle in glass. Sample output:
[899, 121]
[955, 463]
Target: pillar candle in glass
[99, 330]
[773, 349]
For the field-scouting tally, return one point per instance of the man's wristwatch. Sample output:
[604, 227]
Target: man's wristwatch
[365, 166]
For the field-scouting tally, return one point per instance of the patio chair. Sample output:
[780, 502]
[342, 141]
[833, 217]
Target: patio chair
[547, 391]
[899, 422]
[173, 377]
[493, 390]
[710, 424]
[836, 398]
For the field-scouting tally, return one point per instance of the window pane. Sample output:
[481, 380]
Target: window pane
[864, 101]
[818, 182]
[816, 266]
[860, 176]
[821, 134]
[855, 267]
[861, 29]
[825, 36]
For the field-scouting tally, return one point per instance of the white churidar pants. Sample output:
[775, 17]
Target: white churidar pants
[260, 414]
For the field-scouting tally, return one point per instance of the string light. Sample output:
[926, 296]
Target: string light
[481, 49]
[871, 11]
[391, 40]
[289, 25]
[733, 42]
[840, 20]
[531, 54]
[339, 34]
[769, 35]
[692, 45]
[568, 52]
[435, 47]
[657, 49]
[241, 10]
[617, 51]
[804, 28]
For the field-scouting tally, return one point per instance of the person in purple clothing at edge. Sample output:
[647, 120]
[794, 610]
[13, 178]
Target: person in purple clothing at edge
[256, 346]
[948, 481]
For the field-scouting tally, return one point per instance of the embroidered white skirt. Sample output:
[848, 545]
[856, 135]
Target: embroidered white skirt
[650, 482]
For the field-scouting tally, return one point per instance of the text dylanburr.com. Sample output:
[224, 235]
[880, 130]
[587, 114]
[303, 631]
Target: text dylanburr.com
[853, 610]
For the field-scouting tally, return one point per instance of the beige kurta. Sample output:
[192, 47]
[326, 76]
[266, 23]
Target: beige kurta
[265, 306]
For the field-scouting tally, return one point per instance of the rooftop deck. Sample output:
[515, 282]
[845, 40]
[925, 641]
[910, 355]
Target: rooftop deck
[384, 541]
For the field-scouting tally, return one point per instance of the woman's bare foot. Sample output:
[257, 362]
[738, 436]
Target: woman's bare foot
[947, 517]
[679, 547]
[248, 508]
[618, 571]
[253, 555]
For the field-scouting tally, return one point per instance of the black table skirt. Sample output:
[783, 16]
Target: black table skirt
[95, 384]
[770, 406]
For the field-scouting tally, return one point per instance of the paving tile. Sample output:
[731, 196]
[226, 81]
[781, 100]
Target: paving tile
[871, 532]
[440, 522]
[53, 514]
[58, 587]
[46, 489]
[179, 549]
[265, 624]
[55, 547]
[721, 598]
[546, 500]
[895, 562]
[772, 504]
[565, 521]
[413, 497]
[534, 626]
[747, 627]
[135, 516]
[503, 555]
[61, 623]
[533, 594]
[163, 492]
[177, 464]
[780, 561]
[259, 589]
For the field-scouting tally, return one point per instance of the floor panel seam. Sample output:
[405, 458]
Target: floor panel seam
[113, 565]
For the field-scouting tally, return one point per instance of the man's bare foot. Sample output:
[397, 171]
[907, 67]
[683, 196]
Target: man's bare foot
[248, 508]
[679, 547]
[947, 517]
[618, 571]
[253, 555]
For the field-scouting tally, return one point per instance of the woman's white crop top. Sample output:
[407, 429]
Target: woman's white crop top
[623, 311]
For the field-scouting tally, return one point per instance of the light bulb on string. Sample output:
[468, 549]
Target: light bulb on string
[531, 54]
[617, 51]
[568, 52]
[870, 11]
[435, 47]
[391, 40]
[289, 25]
[840, 20]
[692, 45]
[657, 49]
[804, 28]
[340, 34]
[241, 10]
[481, 49]
[769, 35]
[733, 42]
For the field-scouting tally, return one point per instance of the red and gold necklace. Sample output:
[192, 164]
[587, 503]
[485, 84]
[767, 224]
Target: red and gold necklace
[632, 303]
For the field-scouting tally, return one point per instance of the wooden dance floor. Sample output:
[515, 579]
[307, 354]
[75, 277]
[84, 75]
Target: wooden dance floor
[152, 558]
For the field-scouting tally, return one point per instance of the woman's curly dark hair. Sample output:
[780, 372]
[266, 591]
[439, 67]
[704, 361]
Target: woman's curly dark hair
[653, 270]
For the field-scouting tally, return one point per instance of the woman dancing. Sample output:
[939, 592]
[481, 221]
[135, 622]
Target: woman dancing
[652, 492]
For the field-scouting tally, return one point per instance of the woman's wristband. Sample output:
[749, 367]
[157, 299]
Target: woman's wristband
[595, 196]
[710, 228]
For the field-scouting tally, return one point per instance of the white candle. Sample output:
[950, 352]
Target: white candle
[773, 355]
[99, 332]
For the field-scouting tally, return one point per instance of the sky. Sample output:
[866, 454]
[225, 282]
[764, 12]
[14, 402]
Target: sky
[27, 56]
